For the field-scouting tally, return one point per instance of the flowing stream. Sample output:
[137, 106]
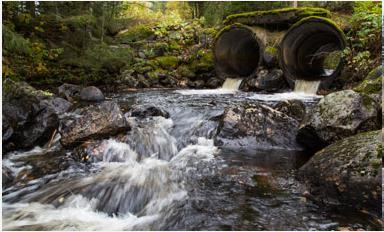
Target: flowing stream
[166, 174]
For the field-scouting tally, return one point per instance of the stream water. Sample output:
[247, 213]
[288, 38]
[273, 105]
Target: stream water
[167, 175]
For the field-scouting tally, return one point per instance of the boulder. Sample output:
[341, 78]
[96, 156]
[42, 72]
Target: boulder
[95, 121]
[91, 93]
[372, 84]
[28, 119]
[143, 82]
[347, 172]
[7, 177]
[168, 81]
[198, 84]
[214, 82]
[7, 130]
[128, 79]
[69, 91]
[256, 126]
[337, 116]
[144, 111]
[293, 108]
[270, 81]
[58, 104]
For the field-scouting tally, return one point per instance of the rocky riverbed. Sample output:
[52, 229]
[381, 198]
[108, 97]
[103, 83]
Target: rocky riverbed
[190, 160]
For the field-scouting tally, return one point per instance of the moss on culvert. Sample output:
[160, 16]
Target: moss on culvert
[285, 16]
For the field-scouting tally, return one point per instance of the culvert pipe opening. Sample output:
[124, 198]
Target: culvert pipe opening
[237, 52]
[311, 50]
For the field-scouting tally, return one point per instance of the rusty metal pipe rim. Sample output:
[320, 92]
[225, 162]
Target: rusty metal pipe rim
[238, 51]
[301, 45]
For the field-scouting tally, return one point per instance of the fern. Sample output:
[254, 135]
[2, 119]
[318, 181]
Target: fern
[14, 42]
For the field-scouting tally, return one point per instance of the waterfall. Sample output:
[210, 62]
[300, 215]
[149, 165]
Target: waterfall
[307, 87]
[231, 84]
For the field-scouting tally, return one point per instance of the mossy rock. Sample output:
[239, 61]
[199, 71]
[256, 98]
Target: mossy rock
[116, 25]
[135, 34]
[174, 46]
[156, 74]
[204, 62]
[338, 115]
[347, 172]
[285, 16]
[185, 72]
[372, 84]
[21, 89]
[168, 62]
[156, 49]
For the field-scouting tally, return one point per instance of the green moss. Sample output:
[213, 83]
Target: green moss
[367, 101]
[174, 46]
[167, 62]
[185, 71]
[372, 83]
[319, 19]
[155, 74]
[227, 28]
[210, 31]
[204, 62]
[79, 20]
[271, 50]
[135, 33]
[300, 12]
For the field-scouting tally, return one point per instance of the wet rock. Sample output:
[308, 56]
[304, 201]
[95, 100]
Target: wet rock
[91, 93]
[336, 116]
[292, 108]
[29, 121]
[168, 81]
[96, 121]
[58, 104]
[7, 130]
[258, 126]
[249, 84]
[270, 81]
[7, 177]
[214, 82]
[69, 91]
[347, 172]
[144, 111]
[199, 84]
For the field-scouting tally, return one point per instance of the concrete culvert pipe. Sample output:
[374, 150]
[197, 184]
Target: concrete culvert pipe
[238, 51]
[311, 50]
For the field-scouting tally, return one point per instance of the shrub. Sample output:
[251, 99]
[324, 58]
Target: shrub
[364, 40]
